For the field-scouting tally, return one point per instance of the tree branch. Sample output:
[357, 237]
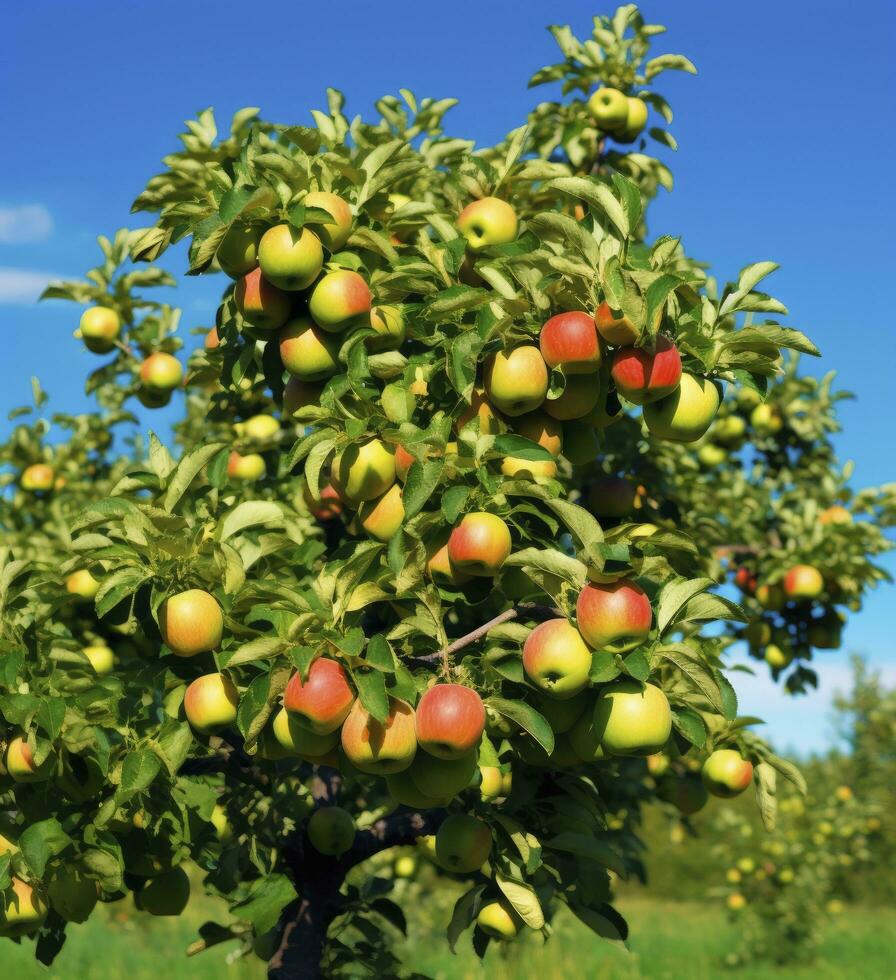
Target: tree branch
[398, 829]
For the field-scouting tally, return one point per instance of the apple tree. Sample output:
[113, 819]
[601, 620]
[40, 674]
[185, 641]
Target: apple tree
[427, 556]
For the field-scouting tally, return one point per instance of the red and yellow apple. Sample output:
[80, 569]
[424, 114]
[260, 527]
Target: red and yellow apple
[556, 659]
[450, 720]
[246, 468]
[340, 301]
[570, 341]
[516, 382]
[99, 329]
[379, 748]
[290, 259]
[334, 234]
[615, 327]
[82, 584]
[321, 702]
[726, 773]
[38, 478]
[480, 544]
[803, 582]
[641, 376]
[381, 518]
[211, 702]
[191, 622]
[614, 616]
[307, 352]
[260, 302]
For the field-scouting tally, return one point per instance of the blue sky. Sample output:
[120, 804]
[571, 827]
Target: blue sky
[786, 144]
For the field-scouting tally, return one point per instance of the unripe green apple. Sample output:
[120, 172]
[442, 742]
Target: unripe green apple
[778, 658]
[149, 398]
[166, 894]
[72, 894]
[191, 622]
[636, 116]
[101, 658]
[440, 778]
[517, 381]
[499, 920]
[238, 252]
[463, 843]
[556, 659]
[210, 702]
[825, 633]
[38, 478]
[541, 428]
[383, 517]
[260, 429]
[570, 341]
[727, 773]
[20, 763]
[710, 455]
[491, 783]
[578, 399]
[405, 866]
[770, 597]
[614, 616]
[480, 544]
[612, 496]
[729, 430]
[631, 719]
[609, 108]
[331, 830]
[300, 394]
[246, 469]
[685, 414]
[450, 720]
[99, 329]
[584, 738]
[404, 790]
[615, 327]
[362, 472]
[297, 739]
[25, 910]
[390, 329]
[307, 352]
[380, 748]
[758, 633]
[322, 701]
[340, 301]
[334, 234]
[290, 259]
[561, 715]
[642, 376]
[260, 302]
[686, 793]
[489, 221]
[803, 582]
[82, 584]
[220, 821]
[580, 442]
[161, 372]
[766, 420]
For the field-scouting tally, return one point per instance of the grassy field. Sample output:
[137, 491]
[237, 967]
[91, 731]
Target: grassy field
[669, 942]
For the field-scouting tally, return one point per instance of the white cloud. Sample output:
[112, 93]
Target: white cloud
[23, 286]
[25, 223]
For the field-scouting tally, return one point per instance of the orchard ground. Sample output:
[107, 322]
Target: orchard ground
[670, 940]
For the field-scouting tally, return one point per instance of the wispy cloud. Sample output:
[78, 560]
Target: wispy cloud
[25, 224]
[23, 286]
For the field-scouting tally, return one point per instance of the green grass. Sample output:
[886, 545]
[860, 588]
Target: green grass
[670, 941]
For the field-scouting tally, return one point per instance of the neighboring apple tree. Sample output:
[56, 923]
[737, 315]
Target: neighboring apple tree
[435, 553]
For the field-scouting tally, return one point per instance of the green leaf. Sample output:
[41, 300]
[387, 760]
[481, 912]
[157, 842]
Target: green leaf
[597, 195]
[262, 648]
[637, 666]
[251, 513]
[422, 480]
[765, 779]
[379, 654]
[592, 848]
[527, 718]
[466, 908]
[42, 841]
[139, 770]
[519, 447]
[523, 898]
[268, 899]
[690, 725]
[372, 691]
[454, 501]
[673, 597]
[604, 920]
[603, 667]
[186, 471]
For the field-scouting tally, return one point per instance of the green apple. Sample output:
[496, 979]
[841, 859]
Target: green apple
[340, 301]
[463, 843]
[161, 372]
[25, 911]
[499, 920]
[334, 234]
[516, 381]
[290, 259]
[238, 252]
[686, 413]
[331, 830]
[307, 352]
[489, 221]
[556, 659]
[440, 778]
[632, 719]
[609, 108]
[364, 471]
[99, 329]
[166, 894]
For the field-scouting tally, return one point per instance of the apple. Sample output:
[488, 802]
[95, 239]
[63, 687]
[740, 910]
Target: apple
[632, 719]
[238, 252]
[321, 702]
[579, 398]
[528, 469]
[745, 579]
[439, 568]
[210, 702]
[220, 821]
[482, 411]
[82, 584]
[246, 469]
[20, 764]
[641, 376]
[300, 394]
[25, 910]
[8, 846]
[803, 582]
[835, 515]
[710, 455]
[296, 739]
[612, 496]
[609, 108]
[405, 866]
[777, 658]
[382, 518]
[331, 830]
[489, 221]
[161, 372]
[635, 118]
[580, 442]
[442, 779]
[405, 791]
[770, 597]
[259, 428]
[480, 544]
[657, 764]
[290, 259]
[614, 616]
[585, 739]
[766, 420]
[736, 902]
[541, 428]
[758, 633]
[72, 895]
[556, 659]
[570, 341]
[491, 783]
[686, 413]
[561, 715]
[463, 843]
[450, 720]
[211, 340]
[729, 430]
[362, 472]
[327, 506]
[726, 773]
[340, 301]
[389, 325]
[191, 622]
[516, 382]
[334, 234]
[380, 748]
[615, 327]
[101, 658]
[260, 302]
[153, 399]
[307, 352]
[99, 329]
[38, 478]
[499, 920]
[825, 633]
[686, 793]
[166, 894]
